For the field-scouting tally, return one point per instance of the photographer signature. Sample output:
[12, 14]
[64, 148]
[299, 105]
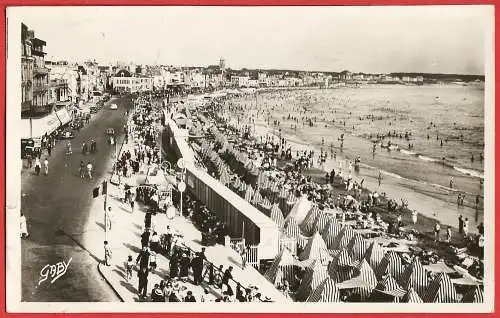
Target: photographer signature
[54, 271]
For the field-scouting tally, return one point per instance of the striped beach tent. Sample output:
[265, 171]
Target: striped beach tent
[265, 206]
[322, 221]
[257, 198]
[441, 290]
[342, 267]
[363, 282]
[243, 188]
[475, 295]
[315, 249]
[307, 226]
[331, 220]
[343, 239]
[249, 193]
[388, 290]
[415, 277]
[292, 228]
[366, 274]
[326, 292]
[374, 255]
[412, 297]
[300, 209]
[302, 240]
[331, 233]
[357, 247]
[314, 275]
[283, 268]
[261, 177]
[277, 216]
[390, 264]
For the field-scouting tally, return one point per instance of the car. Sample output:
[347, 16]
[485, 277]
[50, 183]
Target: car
[113, 106]
[110, 131]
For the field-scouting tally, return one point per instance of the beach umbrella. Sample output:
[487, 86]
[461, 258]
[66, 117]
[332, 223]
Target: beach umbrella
[475, 295]
[390, 264]
[342, 267]
[331, 233]
[374, 255]
[389, 287]
[314, 275]
[307, 226]
[277, 216]
[415, 277]
[441, 290]
[357, 247]
[283, 266]
[363, 282]
[249, 193]
[321, 221]
[412, 297]
[315, 249]
[343, 239]
[300, 209]
[326, 292]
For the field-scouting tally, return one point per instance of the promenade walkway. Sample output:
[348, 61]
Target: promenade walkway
[124, 239]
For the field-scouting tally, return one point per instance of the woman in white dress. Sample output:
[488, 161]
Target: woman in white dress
[24, 226]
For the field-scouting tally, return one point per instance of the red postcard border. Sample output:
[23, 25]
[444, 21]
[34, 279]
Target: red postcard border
[4, 4]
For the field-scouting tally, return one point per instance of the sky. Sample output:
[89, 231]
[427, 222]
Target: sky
[429, 39]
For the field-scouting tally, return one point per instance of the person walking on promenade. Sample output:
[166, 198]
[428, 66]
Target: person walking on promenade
[185, 262]
[143, 258]
[129, 266]
[197, 266]
[49, 149]
[24, 226]
[243, 254]
[38, 166]
[152, 262]
[82, 170]
[107, 253]
[168, 241]
[210, 271]
[225, 279]
[143, 282]
[46, 167]
[109, 219]
[89, 170]
[174, 265]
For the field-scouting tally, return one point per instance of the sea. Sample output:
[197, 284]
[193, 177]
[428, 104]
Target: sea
[436, 137]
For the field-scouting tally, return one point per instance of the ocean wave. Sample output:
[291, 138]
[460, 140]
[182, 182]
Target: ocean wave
[407, 152]
[470, 172]
[425, 158]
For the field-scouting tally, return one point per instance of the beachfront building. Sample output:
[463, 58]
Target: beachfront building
[64, 71]
[195, 79]
[27, 62]
[40, 76]
[263, 80]
[240, 80]
[124, 81]
[59, 93]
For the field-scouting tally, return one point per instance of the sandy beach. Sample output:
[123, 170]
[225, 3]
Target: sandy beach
[423, 183]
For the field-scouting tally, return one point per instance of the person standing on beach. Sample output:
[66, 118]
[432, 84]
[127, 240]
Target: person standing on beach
[448, 234]
[460, 224]
[379, 178]
[414, 216]
[437, 229]
[466, 227]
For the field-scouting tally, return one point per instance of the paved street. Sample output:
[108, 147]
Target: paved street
[57, 207]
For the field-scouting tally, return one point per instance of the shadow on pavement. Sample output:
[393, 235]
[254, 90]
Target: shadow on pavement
[122, 275]
[134, 249]
[62, 233]
[130, 288]
[101, 225]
